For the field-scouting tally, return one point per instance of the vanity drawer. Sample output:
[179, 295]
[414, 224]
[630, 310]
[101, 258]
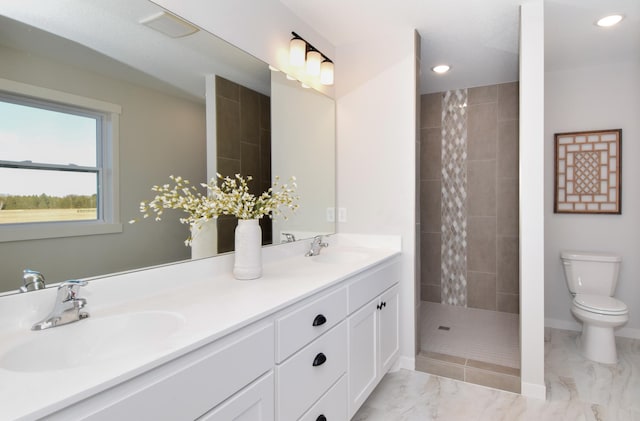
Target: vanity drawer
[299, 383]
[332, 406]
[186, 387]
[301, 326]
[369, 285]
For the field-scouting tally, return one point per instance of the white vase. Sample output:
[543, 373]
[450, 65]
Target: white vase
[248, 250]
[204, 239]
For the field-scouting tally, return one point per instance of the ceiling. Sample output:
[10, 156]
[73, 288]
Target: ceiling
[479, 39]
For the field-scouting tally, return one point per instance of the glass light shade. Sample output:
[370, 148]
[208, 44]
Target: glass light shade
[297, 52]
[313, 63]
[326, 73]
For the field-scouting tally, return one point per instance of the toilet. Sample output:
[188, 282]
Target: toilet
[592, 279]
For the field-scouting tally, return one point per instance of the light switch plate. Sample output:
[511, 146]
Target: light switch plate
[342, 214]
[331, 214]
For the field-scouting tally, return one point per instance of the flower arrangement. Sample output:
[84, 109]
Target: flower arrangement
[230, 197]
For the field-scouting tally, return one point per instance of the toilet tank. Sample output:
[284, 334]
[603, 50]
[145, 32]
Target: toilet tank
[591, 272]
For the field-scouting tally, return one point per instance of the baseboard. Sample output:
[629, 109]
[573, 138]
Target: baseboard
[407, 363]
[625, 332]
[533, 390]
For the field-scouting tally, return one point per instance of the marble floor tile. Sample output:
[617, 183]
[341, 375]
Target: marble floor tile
[577, 389]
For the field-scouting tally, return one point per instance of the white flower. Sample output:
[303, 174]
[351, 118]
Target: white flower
[231, 197]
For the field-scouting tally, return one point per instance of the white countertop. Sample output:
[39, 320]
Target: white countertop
[207, 302]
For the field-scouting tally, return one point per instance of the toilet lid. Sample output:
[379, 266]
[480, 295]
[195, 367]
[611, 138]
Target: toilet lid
[600, 304]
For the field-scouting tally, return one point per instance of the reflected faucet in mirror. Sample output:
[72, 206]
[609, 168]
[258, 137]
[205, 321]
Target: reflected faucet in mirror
[67, 307]
[32, 280]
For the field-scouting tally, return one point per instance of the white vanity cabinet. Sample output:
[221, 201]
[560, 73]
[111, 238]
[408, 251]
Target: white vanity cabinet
[190, 386]
[374, 337]
[312, 356]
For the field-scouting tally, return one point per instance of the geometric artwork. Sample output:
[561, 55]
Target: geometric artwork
[453, 251]
[588, 172]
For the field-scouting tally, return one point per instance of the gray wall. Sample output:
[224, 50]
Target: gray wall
[160, 135]
[491, 202]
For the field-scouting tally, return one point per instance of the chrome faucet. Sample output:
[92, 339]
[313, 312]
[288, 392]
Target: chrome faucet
[316, 246]
[66, 308]
[32, 280]
[288, 237]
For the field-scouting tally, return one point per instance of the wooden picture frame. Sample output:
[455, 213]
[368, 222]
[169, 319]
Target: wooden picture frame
[588, 172]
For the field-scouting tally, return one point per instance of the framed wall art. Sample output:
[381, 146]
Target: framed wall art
[588, 172]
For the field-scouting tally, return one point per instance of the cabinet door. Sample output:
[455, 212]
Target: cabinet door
[389, 320]
[363, 355]
[253, 403]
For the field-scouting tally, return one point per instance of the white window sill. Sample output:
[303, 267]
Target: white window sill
[37, 231]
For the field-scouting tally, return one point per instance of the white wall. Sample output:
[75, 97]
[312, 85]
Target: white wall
[602, 97]
[532, 103]
[376, 131]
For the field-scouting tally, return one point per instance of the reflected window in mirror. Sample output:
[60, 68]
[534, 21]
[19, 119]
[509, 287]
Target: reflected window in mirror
[56, 168]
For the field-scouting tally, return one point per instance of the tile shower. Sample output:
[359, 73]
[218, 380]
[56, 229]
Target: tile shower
[469, 210]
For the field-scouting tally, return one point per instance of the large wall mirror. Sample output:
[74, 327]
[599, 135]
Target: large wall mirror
[178, 111]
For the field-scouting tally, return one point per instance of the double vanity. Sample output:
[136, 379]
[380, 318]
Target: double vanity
[309, 340]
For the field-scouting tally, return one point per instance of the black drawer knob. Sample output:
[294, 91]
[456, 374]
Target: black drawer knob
[319, 359]
[319, 320]
[321, 418]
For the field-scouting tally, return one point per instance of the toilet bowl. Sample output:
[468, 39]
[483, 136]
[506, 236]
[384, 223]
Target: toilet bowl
[599, 315]
[592, 279]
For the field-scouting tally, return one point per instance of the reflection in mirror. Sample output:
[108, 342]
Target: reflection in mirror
[159, 83]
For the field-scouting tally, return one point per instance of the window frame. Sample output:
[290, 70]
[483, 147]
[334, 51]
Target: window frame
[107, 151]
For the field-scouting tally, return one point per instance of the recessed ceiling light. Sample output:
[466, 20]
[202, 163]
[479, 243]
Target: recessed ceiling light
[442, 68]
[609, 20]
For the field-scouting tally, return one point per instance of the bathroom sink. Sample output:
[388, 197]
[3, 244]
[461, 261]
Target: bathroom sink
[94, 340]
[340, 257]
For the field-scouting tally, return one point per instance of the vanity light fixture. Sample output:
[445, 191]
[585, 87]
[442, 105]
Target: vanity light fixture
[297, 51]
[441, 68]
[610, 20]
[314, 59]
[326, 72]
[316, 64]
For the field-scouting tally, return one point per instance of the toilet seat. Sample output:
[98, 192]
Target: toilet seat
[600, 304]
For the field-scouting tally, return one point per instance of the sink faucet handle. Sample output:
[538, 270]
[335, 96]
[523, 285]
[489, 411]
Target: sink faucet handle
[68, 290]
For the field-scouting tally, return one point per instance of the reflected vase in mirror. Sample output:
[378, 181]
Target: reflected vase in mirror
[204, 239]
[248, 255]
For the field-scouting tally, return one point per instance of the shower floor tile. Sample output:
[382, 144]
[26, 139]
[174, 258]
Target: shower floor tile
[473, 334]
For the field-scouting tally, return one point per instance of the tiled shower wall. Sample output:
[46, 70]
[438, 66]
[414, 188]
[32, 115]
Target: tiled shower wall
[469, 197]
[243, 146]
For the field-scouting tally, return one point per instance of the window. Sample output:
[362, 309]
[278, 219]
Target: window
[58, 172]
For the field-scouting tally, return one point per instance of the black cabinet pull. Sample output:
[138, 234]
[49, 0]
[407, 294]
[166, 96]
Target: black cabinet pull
[319, 359]
[379, 306]
[319, 320]
[384, 304]
[321, 418]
